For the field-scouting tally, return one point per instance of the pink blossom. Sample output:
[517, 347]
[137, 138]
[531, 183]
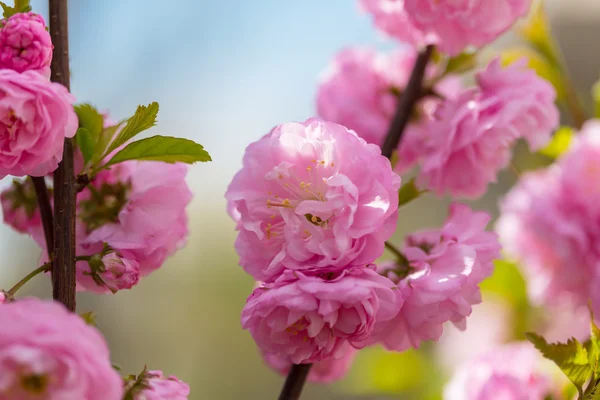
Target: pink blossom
[549, 224]
[361, 90]
[25, 44]
[35, 118]
[163, 388]
[511, 372]
[47, 352]
[308, 318]
[19, 207]
[305, 199]
[440, 283]
[109, 273]
[455, 25]
[391, 18]
[3, 297]
[469, 139]
[324, 371]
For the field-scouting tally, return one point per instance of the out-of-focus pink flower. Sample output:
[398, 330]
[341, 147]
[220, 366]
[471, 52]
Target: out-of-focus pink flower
[361, 90]
[160, 387]
[549, 224]
[469, 139]
[440, 284]
[19, 207]
[526, 101]
[3, 297]
[391, 18]
[511, 372]
[25, 44]
[109, 273]
[455, 25]
[35, 118]
[46, 352]
[305, 199]
[324, 371]
[306, 319]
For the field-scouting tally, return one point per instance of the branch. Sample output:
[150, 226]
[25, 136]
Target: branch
[409, 97]
[295, 382]
[63, 271]
[44, 268]
[43, 199]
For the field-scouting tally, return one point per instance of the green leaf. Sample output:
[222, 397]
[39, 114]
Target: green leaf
[462, 63]
[144, 118]
[560, 142]
[161, 148]
[22, 6]
[593, 392]
[86, 143]
[90, 118]
[408, 192]
[571, 358]
[593, 345]
[89, 317]
[596, 97]
[7, 11]
[536, 31]
[103, 141]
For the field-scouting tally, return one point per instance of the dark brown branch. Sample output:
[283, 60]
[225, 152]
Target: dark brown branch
[409, 97]
[63, 271]
[295, 382]
[43, 199]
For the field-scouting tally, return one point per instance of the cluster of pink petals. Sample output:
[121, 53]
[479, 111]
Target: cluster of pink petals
[549, 224]
[306, 199]
[453, 26]
[360, 90]
[163, 388]
[150, 227]
[35, 118]
[25, 44]
[469, 139]
[512, 372]
[445, 268]
[324, 371]
[46, 352]
[309, 318]
[21, 217]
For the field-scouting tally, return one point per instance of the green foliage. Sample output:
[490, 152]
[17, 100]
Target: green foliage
[161, 148]
[463, 62]
[21, 6]
[571, 358]
[143, 119]
[408, 192]
[596, 97]
[536, 31]
[86, 143]
[89, 317]
[561, 140]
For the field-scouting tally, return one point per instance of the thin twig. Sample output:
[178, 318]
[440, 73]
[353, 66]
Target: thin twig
[63, 272]
[43, 199]
[44, 268]
[292, 389]
[407, 103]
[399, 255]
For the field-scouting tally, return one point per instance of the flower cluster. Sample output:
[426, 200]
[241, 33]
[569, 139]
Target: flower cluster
[438, 281]
[453, 26]
[514, 371]
[311, 218]
[548, 222]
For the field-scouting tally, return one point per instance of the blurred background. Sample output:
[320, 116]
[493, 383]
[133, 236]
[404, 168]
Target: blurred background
[224, 73]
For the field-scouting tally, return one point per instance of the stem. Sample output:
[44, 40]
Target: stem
[295, 382]
[401, 257]
[407, 102]
[63, 272]
[41, 191]
[44, 268]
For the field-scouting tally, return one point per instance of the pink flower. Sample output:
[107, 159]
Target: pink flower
[455, 25]
[440, 283]
[391, 18]
[163, 388]
[469, 139]
[305, 199]
[361, 91]
[526, 101]
[511, 372]
[549, 224]
[306, 319]
[35, 118]
[25, 44]
[47, 352]
[325, 371]
[3, 297]
[108, 273]
[19, 206]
